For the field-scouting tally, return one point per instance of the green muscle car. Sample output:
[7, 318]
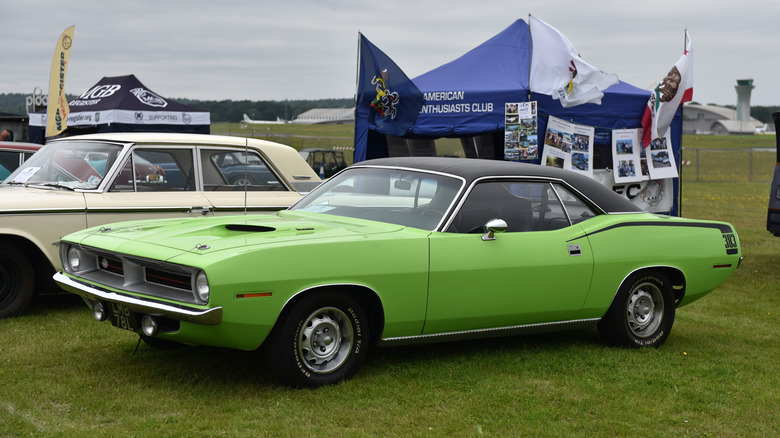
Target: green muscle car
[399, 251]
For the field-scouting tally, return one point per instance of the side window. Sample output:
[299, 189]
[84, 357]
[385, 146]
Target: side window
[523, 205]
[577, 210]
[156, 170]
[8, 162]
[510, 201]
[237, 170]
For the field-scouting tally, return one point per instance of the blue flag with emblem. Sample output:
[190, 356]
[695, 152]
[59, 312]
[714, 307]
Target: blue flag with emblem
[390, 97]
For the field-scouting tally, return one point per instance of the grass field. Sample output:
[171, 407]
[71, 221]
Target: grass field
[64, 374]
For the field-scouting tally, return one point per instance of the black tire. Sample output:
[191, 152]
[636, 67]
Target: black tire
[642, 313]
[332, 322]
[16, 280]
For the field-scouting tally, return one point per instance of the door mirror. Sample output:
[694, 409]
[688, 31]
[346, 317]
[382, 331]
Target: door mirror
[494, 226]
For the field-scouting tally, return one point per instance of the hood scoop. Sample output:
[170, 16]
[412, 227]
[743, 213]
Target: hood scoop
[246, 228]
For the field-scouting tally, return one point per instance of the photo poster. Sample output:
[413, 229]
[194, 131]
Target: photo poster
[660, 158]
[628, 162]
[582, 149]
[520, 131]
[568, 146]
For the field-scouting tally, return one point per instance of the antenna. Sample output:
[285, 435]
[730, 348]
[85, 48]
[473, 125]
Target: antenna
[246, 170]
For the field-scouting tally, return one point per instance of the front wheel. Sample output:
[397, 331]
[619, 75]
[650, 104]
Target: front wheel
[322, 340]
[16, 280]
[642, 313]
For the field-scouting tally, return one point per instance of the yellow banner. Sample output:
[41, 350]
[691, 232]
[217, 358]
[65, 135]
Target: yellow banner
[58, 109]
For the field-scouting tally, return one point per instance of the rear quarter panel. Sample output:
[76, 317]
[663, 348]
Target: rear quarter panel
[622, 244]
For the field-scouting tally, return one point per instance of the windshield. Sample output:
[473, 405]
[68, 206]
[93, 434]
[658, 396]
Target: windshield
[403, 197]
[69, 164]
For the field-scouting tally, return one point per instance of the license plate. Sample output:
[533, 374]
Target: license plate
[122, 317]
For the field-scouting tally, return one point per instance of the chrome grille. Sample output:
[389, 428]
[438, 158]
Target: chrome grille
[153, 278]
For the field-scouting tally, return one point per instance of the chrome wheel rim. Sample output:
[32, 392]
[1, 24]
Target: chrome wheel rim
[645, 310]
[325, 340]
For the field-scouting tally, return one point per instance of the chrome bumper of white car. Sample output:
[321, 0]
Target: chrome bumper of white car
[211, 316]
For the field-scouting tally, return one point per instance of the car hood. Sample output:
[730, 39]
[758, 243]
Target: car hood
[40, 200]
[165, 239]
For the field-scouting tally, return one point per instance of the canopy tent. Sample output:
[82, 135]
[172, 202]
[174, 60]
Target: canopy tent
[122, 104]
[466, 98]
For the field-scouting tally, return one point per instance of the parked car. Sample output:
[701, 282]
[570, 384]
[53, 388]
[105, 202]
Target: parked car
[83, 181]
[399, 251]
[13, 154]
[326, 162]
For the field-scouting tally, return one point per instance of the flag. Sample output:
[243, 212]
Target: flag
[558, 70]
[392, 99]
[58, 109]
[673, 90]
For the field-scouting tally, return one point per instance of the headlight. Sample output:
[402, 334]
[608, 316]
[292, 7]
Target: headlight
[73, 259]
[202, 287]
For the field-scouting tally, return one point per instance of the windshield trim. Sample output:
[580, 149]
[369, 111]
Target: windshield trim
[446, 214]
[75, 186]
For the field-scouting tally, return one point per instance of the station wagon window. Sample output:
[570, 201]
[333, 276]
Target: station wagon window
[237, 170]
[72, 164]
[156, 170]
[523, 205]
[8, 161]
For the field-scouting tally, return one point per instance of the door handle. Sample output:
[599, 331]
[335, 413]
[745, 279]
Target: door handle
[203, 210]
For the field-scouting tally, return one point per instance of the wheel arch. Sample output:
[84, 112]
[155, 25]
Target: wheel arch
[366, 296]
[673, 274]
[42, 267]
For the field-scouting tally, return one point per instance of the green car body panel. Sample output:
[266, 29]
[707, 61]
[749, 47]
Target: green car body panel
[484, 290]
[424, 249]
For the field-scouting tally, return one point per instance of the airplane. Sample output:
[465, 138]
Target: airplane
[264, 122]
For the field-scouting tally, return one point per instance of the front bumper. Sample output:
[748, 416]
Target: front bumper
[89, 292]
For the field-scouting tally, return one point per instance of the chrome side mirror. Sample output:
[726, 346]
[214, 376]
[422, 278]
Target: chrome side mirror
[494, 226]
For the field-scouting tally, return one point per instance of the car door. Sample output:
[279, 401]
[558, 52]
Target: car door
[538, 271]
[152, 183]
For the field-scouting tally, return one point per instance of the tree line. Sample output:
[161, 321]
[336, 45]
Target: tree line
[220, 110]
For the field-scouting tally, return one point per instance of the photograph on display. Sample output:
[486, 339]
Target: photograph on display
[555, 158]
[582, 149]
[626, 155]
[559, 134]
[660, 158]
[520, 131]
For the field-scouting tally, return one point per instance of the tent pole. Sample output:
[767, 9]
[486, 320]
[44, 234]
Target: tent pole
[357, 72]
[679, 159]
[530, 47]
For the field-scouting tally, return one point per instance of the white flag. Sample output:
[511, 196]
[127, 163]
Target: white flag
[558, 70]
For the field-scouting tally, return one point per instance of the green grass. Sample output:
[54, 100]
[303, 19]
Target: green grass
[63, 374]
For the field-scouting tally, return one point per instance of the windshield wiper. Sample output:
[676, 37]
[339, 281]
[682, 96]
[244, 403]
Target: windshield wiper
[57, 185]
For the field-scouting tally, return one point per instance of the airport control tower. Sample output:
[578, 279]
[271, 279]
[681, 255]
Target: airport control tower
[743, 87]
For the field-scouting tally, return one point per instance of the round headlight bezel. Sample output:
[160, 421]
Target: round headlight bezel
[202, 288]
[74, 259]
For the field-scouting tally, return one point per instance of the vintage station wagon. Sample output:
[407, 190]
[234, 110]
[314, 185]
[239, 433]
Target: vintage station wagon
[83, 181]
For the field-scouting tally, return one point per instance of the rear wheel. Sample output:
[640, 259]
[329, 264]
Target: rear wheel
[320, 341]
[642, 313]
[16, 280]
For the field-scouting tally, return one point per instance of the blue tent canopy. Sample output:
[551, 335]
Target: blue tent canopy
[466, 98]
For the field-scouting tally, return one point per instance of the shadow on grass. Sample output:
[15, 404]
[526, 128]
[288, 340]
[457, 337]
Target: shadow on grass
[184, 367]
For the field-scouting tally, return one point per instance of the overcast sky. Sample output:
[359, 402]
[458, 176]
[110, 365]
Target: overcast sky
[307, 49]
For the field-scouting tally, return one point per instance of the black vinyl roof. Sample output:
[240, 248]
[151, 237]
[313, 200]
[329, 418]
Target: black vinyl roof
[471, 169]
